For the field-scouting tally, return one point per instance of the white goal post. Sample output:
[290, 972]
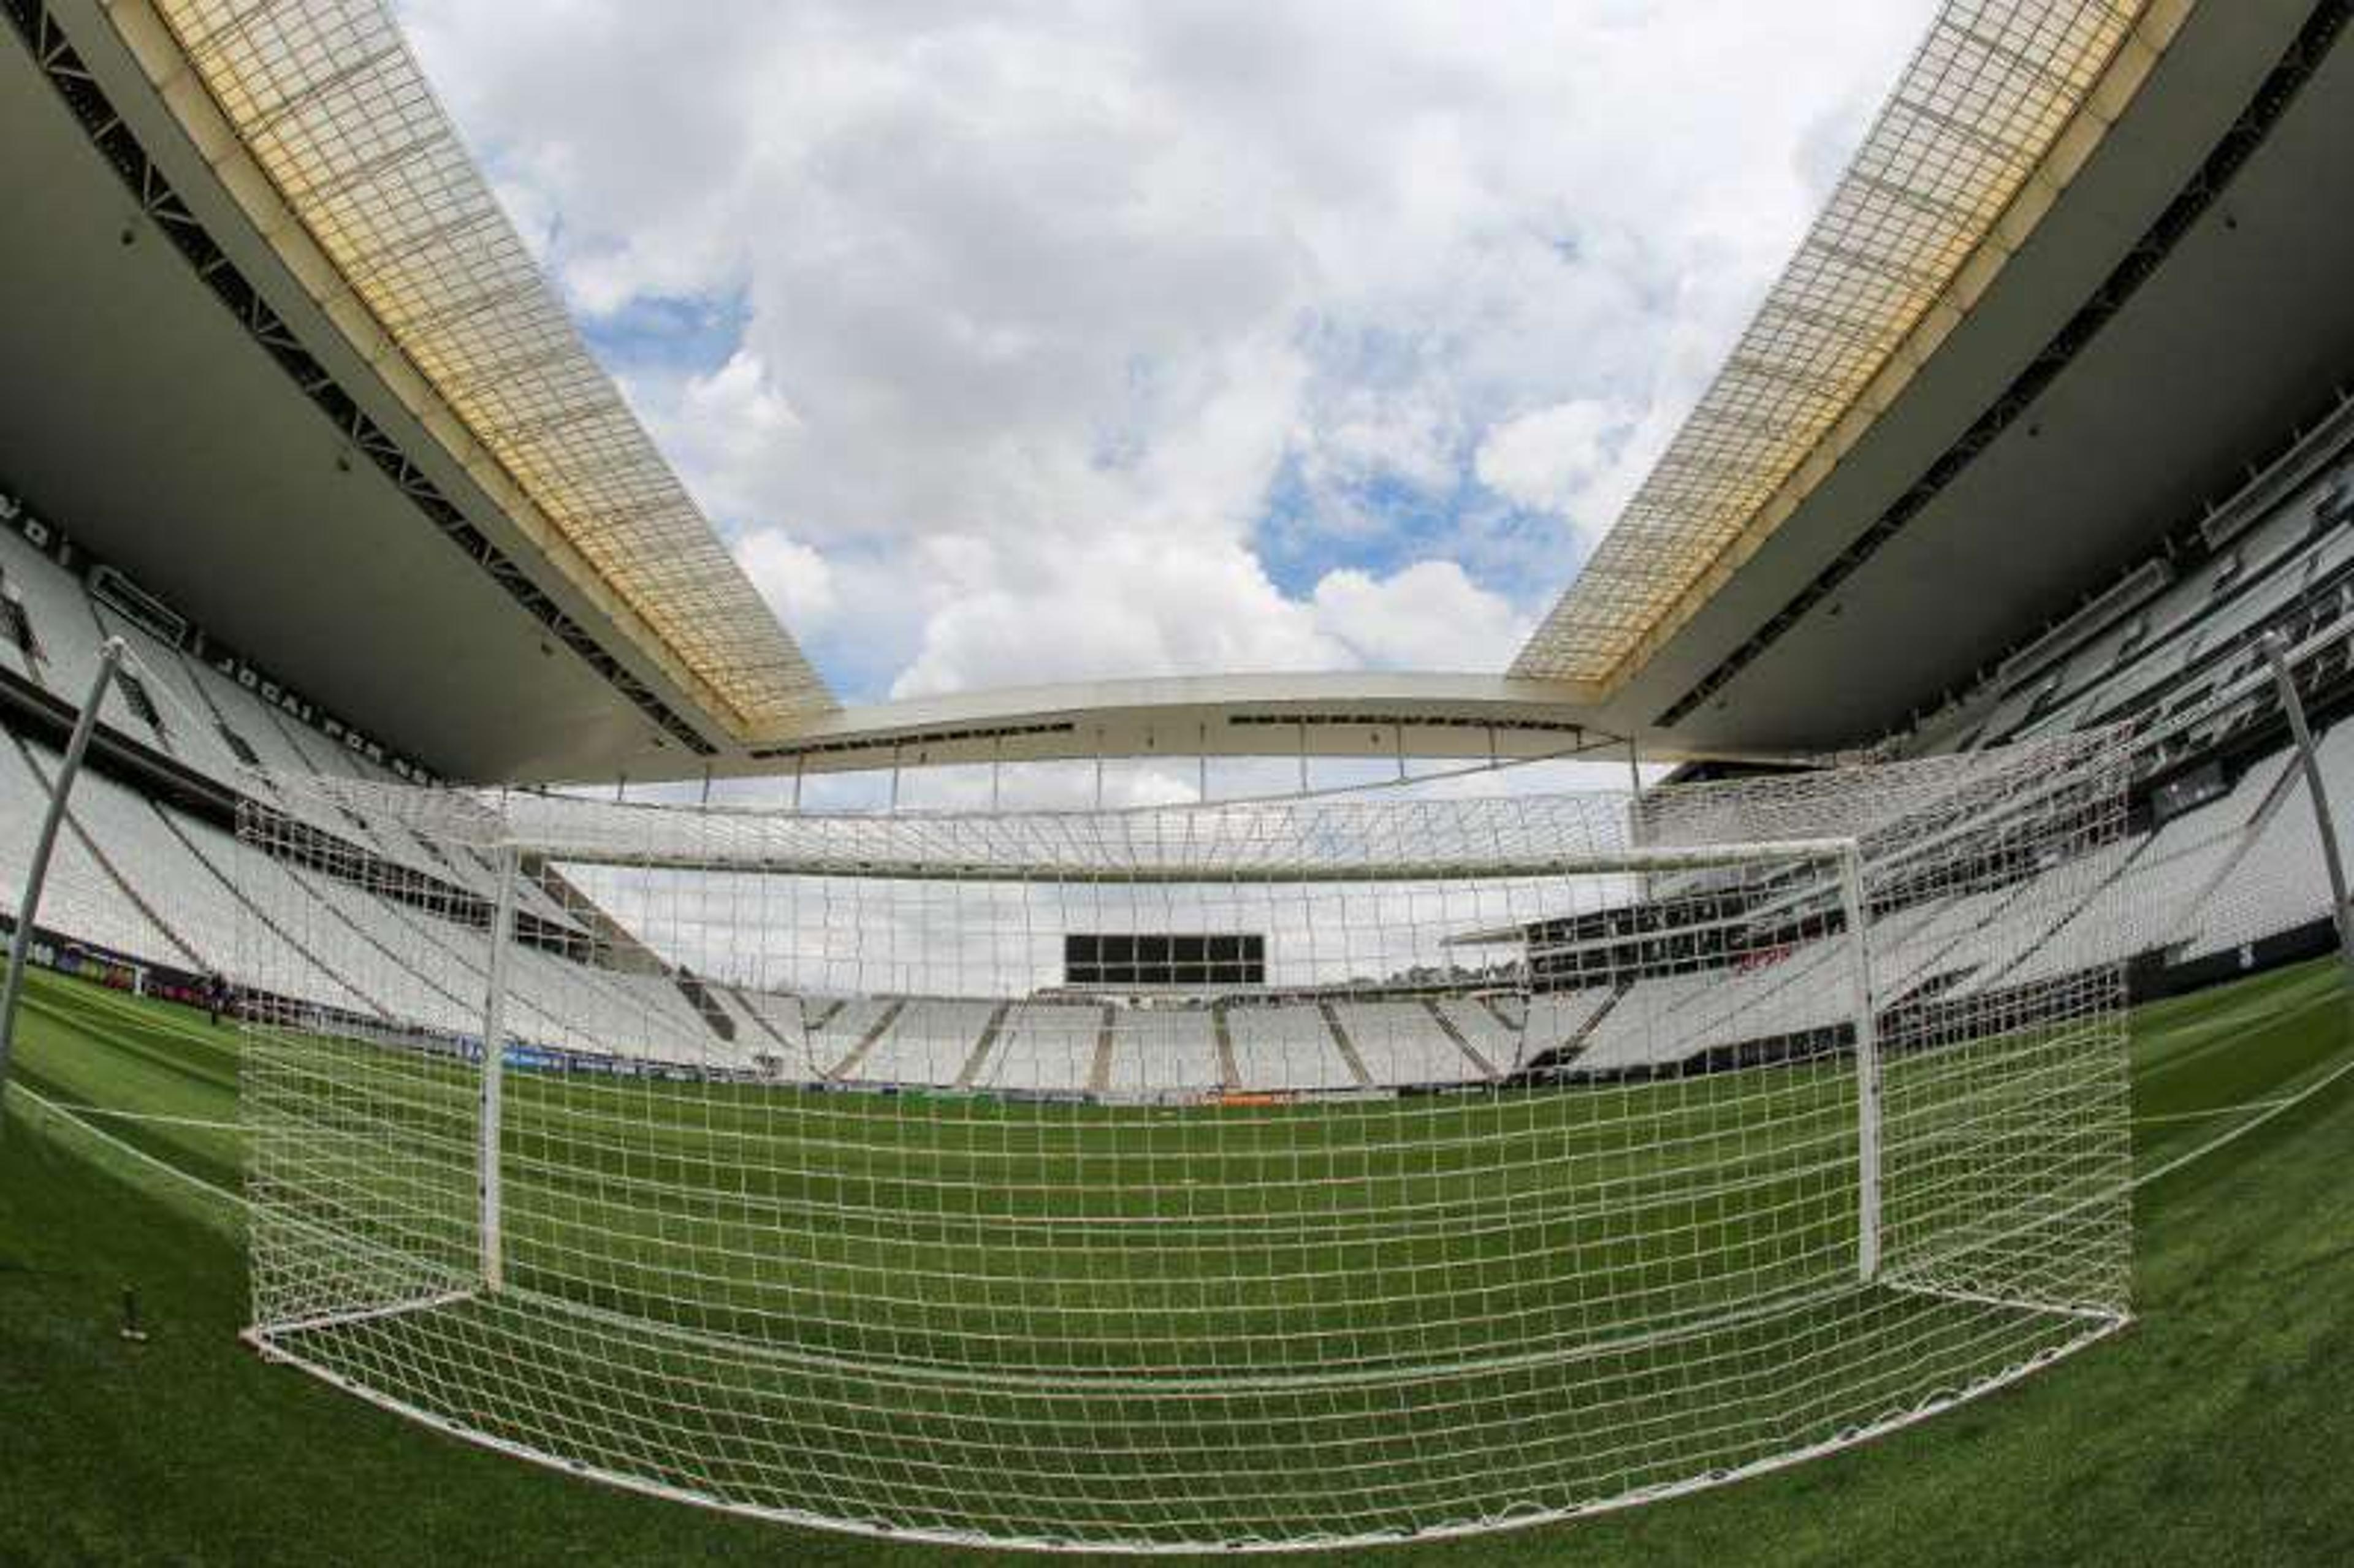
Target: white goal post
[1842, 857]
[1222, 1177]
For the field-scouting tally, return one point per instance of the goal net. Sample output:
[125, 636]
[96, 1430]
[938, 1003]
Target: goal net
[1227, 1176]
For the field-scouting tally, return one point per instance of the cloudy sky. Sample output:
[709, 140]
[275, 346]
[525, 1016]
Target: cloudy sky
[1025, 342]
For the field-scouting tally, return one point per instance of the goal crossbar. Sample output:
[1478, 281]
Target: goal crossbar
[850, 864]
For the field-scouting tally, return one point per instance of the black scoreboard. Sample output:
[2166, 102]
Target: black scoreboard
[1158, 958]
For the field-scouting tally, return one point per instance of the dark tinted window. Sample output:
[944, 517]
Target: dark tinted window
[1170, 958]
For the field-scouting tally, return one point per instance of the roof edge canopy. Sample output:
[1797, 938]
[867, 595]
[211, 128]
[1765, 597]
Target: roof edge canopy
[320, 125]
[1385, 714]
[1998, 110]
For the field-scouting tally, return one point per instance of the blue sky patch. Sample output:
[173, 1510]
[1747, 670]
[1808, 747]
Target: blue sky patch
[668, 335]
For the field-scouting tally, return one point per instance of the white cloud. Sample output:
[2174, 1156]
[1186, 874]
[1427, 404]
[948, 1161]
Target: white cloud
[1550, 458]
[730, 432]
[1125, 603]
[1173, 604]
[1427, 616]
[794, 578]
[1046, 306]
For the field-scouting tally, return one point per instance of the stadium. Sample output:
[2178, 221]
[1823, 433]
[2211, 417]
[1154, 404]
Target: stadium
[1837, 1049]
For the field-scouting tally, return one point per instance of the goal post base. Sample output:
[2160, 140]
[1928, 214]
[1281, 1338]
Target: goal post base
[260, 1335]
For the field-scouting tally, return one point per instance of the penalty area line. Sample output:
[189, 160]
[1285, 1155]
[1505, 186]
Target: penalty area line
[66, 1114]
[2210, 1112]
[2232, 1134]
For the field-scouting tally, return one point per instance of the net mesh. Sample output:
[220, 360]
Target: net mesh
[1192, 1177]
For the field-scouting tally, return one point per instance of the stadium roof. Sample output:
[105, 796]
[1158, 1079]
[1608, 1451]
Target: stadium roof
[2173, 320]
[318, 120]
[1997, 110]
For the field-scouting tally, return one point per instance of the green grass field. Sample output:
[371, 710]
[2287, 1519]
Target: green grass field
[2208, 1432]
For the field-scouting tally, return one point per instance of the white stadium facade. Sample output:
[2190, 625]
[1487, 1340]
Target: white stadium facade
[1942, 626]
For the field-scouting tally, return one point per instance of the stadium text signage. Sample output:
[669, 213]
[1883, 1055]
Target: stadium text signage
[288, 700]
[54, 546]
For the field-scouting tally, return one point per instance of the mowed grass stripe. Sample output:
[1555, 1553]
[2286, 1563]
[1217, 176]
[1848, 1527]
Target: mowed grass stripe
[1246, 1251]
[934, 1464]
[1254, 1239]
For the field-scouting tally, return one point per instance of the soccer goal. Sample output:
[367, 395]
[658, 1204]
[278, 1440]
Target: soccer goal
[1227, 1176]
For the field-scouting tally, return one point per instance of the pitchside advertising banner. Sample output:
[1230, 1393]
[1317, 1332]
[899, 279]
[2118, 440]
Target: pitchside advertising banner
[102, 966]
[53, 543]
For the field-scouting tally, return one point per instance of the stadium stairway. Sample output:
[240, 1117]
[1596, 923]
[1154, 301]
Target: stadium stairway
[970, 1072]
[1346, 1046]
[759, 1014]
[1044, 1047]
[184, 952]
[759, 1020]
[1107, 1041]
[1574, 1044]
[440, 1001]
[1448, 1027]
[253, 908]
[1229, 1075]
[707, 1005]
[870, 1036]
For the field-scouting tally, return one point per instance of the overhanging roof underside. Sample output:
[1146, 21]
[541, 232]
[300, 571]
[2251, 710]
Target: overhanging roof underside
[326, 99]
[1976, 115]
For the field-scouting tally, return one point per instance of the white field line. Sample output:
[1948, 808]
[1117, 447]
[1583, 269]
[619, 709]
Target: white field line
[2232, 1134]
[2210, 1113]
[67, 1114]
[66, 1108]
[2266, 1111]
